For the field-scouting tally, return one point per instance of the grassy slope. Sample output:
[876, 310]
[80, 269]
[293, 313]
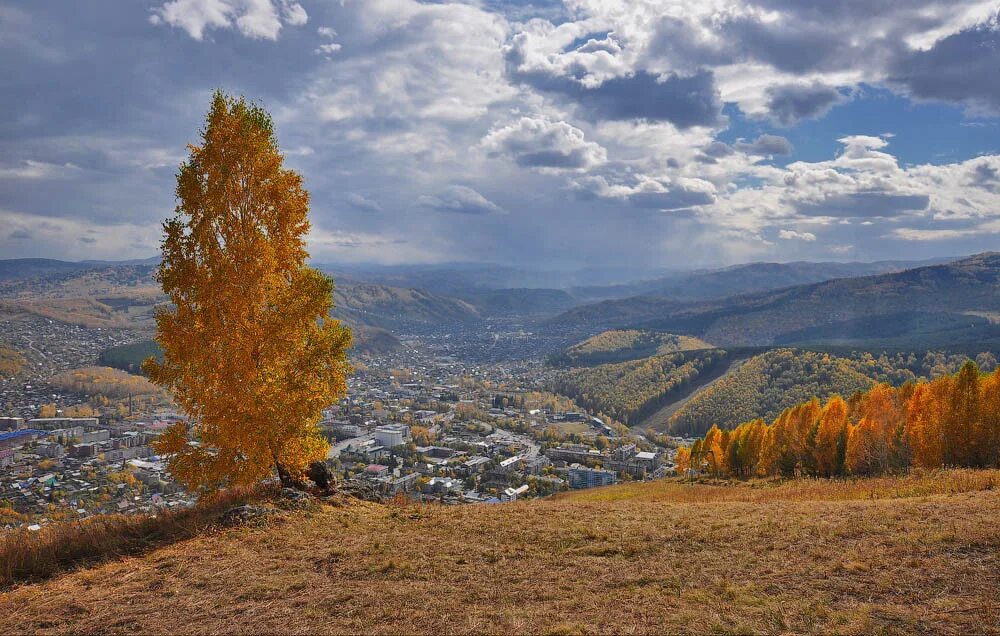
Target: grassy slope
[886, 555]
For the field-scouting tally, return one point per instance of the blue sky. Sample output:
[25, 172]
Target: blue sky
[636, 133]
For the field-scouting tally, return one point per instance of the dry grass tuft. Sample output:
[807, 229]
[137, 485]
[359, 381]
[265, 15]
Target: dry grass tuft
[918, 483]
[34, 556]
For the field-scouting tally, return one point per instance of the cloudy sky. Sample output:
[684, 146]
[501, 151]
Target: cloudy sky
[642, 133]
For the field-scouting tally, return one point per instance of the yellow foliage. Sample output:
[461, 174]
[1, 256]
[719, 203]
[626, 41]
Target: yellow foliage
[250, 352]
[949, 421]
[47, 410]
[11, 362]
[104, 381]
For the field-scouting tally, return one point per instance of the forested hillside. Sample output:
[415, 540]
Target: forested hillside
[949, 421]
[620, 345]
[929, 306]
[768, 383]
[629, 391]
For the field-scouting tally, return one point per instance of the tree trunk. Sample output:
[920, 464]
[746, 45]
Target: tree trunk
[287, 481]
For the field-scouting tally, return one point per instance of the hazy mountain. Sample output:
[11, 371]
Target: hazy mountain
[52, 287]
[25, 268]
[396, 307]
[710, 284]
[953, 302]
[459, 278]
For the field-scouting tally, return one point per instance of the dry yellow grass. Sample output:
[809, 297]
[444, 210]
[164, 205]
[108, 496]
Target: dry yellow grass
[31, 556]
[916, 558]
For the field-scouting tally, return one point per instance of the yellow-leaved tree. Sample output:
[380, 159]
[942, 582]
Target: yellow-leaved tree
[249, 350]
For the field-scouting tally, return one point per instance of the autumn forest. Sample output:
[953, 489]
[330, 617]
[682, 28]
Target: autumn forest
[951, 421]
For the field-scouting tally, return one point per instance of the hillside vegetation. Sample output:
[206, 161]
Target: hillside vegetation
[104, 381]
[915, 554]
[948, 421]
[619, 345]
[129, 357]
[11, 362]
[393, 307]
[773, 381]
[629, 391]
[926, 306]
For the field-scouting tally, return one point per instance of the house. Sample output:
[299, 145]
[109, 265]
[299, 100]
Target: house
[404, 483]
[11, 423]
[376, 470]
[582, 477]
[16, 439]
[511, 463]
[50, 423]
[537, 465]
[511, 494]
[475, 465]
[443, 484]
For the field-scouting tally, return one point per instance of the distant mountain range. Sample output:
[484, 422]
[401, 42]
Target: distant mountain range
[933, 305]
[743, 279]
[752, 304]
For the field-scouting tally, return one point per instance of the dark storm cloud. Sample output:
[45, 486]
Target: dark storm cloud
[790, 103]
[718, 149]
[963, 68]
[865, 205]
[19, 235]
[986, 177]
[787, 45]
[766, 145]
[682, 100]
[105, 90]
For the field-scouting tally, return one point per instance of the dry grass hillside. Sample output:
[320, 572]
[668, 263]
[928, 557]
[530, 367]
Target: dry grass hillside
[894, 555]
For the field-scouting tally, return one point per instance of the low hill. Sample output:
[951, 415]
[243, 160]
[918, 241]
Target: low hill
[373, 341]
[902, 555]
[771, 382]
[397, 307]
[630, 391]
[26, 268]
[620, 345]
[129, 357]
[953, 303]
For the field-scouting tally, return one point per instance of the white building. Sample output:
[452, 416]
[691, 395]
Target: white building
[511, 494]
[392, 435]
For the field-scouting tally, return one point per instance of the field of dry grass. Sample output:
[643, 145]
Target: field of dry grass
[907, 555]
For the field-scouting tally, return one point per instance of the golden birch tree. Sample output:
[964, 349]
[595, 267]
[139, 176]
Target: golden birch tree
[249, 350]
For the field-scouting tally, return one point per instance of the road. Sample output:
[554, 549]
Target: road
[533, 447]
[660, 418]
